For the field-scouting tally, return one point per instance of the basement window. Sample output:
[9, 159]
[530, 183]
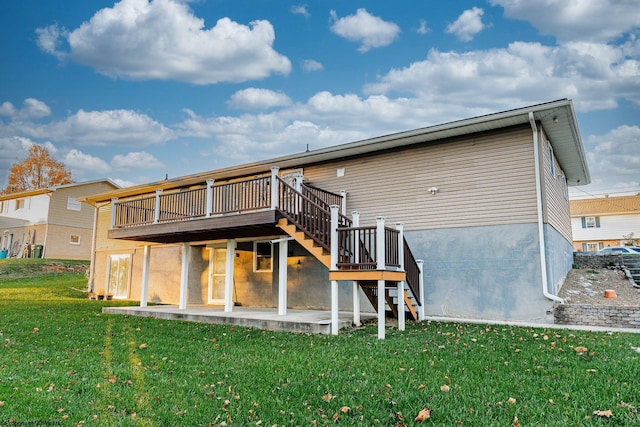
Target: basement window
[263, 256]
[74, 239]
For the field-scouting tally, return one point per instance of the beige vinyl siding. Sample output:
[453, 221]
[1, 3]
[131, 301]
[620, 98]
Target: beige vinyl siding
[556, 205]
[60, 215]
[485, 180]
[103, 243]
[58, 245]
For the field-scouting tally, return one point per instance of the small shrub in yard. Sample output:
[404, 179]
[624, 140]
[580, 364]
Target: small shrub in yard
[63, 362]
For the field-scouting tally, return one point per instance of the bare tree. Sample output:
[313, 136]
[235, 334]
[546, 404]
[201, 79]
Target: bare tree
[37, 170]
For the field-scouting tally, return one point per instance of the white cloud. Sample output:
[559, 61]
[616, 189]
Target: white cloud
[127, 183]
[467, 25]
[136, 160]
[81, 163]
[110, 127]
[163, 40]
[33, 109]
[258, 99]
[602, 20]
[594, 76]
[300, 10]
[423, 28]
[369, 30]
[310, 65]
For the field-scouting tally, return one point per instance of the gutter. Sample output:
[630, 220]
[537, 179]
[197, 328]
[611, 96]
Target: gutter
[543, 252]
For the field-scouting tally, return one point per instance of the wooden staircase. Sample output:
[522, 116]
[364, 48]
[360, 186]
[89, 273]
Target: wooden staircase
[306, 242]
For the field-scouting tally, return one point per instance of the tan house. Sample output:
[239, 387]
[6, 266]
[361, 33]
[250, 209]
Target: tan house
[606, 221]
[482, 202]
[51, 222]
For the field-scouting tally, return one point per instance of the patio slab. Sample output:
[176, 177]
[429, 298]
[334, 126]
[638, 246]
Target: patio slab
[299, 321]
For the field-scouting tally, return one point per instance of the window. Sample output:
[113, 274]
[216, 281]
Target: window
[591, 222]
[20, 204]
[3, 206]
[118, 275]
[73, 204]
[74, 239]
[263, 256]
[593, 247]
[565, 187]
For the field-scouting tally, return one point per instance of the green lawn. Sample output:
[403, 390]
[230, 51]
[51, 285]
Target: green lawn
[63, 362]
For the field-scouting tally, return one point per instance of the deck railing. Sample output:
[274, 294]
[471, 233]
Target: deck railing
[198, 202]
[308, 212]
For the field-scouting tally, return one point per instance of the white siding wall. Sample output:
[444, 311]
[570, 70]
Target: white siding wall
[612, 227]
[35, 209]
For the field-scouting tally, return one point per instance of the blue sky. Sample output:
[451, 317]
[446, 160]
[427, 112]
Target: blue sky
[137, 89]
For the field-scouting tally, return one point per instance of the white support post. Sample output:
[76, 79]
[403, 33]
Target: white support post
[209, 197]
[381, 310]
[184, 276]
[335, 210]
[401, 284]
[228, 279]
[144, 292]
[274, 187]
[283, 249]
[343, 207]
[380, 244]
[156, 213]
[335, 319]
[114, 202]
[421, 289]
[355, 220]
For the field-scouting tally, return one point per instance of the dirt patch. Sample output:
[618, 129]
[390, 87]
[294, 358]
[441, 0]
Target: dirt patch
[587, 286]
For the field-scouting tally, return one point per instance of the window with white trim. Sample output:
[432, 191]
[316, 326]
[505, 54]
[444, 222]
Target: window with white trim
[73, 204]
[263, 256]
[74, 239]
[20, 204]
[590, 222]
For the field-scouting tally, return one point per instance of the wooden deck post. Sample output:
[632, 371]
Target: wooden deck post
[209, 197]
[335, 323]
[421, 289]
[146, 261]
[274, 187]
[228, 278]
[401, 284]
[156, 213]
[114, 202]
[184, 276]
[355, 221]
[380, 256]
[283, 252]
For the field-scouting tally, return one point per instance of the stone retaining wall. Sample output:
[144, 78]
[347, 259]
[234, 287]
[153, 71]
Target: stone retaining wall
[591, 260]
[599, 315]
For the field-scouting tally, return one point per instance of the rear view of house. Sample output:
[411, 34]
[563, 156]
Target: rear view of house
[465, 219]
[49, 222]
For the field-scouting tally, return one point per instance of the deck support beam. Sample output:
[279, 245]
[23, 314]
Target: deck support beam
[146, 262]
[228, 278]
[381, 309]
[380, 256]
[401, 284]
[335, 319]
[184, 276]
[283, 252]
[355, 220]
[335, 322]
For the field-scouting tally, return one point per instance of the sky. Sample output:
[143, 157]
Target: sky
[138, 90]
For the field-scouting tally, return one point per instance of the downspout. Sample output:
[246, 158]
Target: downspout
[46, 228]
[543, 251]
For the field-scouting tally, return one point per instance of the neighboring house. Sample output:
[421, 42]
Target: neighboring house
[483, 202]
[51, 222]
[605, 221]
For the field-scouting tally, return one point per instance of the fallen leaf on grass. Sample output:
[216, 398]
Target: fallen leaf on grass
[515, 423]
[112, 379]
[604, 414]
[581, 349]
[421, 386]
[328, 397]
[445, 387]
[35, 330]
[143, 345]
[423, 415]
[345, 409]
[511, 400]
[592, 370]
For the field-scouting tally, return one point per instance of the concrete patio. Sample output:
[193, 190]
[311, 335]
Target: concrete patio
[300, 321]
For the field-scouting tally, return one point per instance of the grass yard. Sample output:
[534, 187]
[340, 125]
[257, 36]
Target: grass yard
[63, 362]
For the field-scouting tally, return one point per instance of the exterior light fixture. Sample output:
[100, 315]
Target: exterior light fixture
[433, 190]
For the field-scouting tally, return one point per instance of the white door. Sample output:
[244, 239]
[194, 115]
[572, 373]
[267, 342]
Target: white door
[118, 279]
[217, 273]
